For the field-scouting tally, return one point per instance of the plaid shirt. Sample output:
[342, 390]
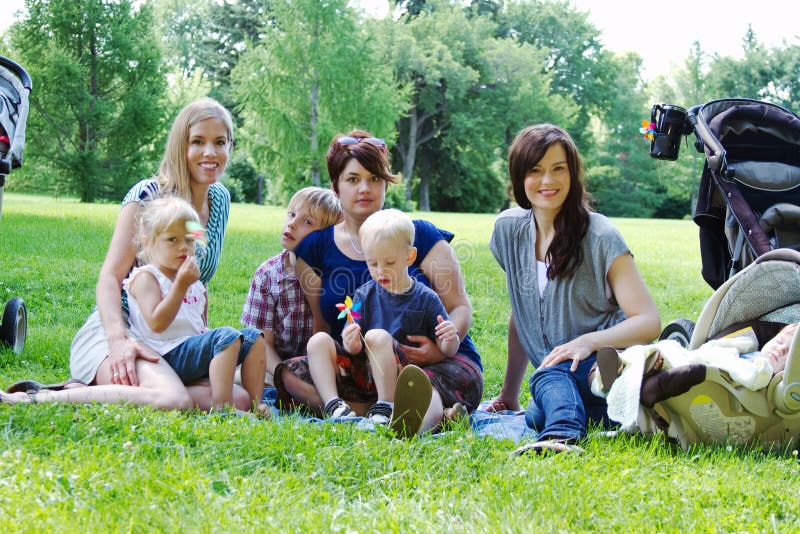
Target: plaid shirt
[276, 303]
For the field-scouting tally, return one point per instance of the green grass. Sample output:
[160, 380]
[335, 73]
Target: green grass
[124, 468]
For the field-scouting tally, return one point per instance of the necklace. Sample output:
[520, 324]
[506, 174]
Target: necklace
[352, 243]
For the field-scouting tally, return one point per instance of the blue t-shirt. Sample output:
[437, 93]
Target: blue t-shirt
[412, 313]
[341, 276]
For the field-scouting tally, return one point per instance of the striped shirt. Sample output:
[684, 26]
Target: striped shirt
[207, 256]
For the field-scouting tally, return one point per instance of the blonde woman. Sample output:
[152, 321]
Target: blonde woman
[103, 353]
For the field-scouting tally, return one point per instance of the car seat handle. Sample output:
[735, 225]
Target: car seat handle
[787, 392]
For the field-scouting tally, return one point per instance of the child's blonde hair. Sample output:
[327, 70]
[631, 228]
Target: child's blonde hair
[387, 225]
[321, 202]
[159, 214]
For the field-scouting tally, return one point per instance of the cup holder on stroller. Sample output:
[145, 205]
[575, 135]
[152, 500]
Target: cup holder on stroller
[670, 125]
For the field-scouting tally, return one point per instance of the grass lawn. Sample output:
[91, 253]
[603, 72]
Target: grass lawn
[124, 468]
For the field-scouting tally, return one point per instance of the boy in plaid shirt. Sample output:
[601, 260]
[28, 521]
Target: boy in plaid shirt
[275, 304]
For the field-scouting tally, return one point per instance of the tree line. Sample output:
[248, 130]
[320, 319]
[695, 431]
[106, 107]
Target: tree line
[447, 83]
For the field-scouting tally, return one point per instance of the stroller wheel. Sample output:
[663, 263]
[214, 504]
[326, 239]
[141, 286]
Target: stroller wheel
[14, 328]
[679, 330]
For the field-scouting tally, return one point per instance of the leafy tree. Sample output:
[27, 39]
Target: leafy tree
[462, 79]
[684, 86]
[786, 77]
[575, 59]
[314, 74]
[410, 7]
[179, 24]
[202, 43]
[622, 177]
[97, 109]
[770, 74]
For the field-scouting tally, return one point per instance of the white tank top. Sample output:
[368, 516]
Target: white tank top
[188, 322]
[541, 275]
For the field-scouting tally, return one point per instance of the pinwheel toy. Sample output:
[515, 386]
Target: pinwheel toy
[196, 232]
[348, 309]
[648, 129]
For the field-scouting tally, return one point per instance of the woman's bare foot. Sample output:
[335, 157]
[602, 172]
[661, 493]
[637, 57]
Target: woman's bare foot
[16, 398]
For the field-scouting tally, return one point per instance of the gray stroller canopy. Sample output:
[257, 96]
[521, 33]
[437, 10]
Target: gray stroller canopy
[15, 85]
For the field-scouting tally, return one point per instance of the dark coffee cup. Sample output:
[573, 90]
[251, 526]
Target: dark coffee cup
[670, 124]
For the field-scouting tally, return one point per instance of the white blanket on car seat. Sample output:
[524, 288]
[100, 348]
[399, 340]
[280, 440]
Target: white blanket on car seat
[623, 397]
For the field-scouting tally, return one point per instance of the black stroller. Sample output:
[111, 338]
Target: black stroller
[749, 196]
[15, 85]
[748, 211]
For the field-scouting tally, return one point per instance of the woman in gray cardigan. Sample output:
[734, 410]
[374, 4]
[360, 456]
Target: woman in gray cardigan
[573, 287]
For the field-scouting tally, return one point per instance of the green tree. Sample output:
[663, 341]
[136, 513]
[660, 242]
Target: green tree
[763, 73]
[470, 171]
[98, 105]
[470, 91]
[622, 177]
[315, 74]
[576, 61]
[179, 23]
[684, 86]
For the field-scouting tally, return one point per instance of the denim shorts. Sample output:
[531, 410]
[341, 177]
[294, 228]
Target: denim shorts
[192, 358]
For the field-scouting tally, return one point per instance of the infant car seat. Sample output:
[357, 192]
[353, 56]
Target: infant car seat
[764, 296]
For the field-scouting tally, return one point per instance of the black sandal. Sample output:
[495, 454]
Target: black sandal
[32, 386]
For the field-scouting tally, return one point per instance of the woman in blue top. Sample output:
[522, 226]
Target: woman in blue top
[572, 283]
[331, 266]
[103, 355]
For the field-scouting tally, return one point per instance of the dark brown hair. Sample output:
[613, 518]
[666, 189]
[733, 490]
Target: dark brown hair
[564, 255]
[373, 158]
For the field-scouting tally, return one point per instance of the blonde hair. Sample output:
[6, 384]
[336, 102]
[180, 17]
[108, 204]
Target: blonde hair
[387, 225]
[321, 202]
[173, 174]
[158, 215]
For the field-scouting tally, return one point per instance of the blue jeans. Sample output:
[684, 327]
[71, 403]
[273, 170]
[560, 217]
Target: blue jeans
[192, 358]
[562, 402]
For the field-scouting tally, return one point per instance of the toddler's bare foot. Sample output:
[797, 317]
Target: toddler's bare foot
[455, 412]
[262, 411]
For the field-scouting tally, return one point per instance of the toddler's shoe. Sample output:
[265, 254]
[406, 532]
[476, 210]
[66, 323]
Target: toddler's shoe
[338, 408]
[380, 413]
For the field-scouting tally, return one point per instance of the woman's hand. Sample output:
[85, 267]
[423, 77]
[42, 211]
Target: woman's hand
[504, 402]
[576, 350]
[425, 354]
[122, 361]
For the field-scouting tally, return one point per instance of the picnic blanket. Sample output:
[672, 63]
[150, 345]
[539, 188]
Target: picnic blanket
[499, 425]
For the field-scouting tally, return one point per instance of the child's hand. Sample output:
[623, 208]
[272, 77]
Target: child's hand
[351, 338]
[188, 273]
[446, 330]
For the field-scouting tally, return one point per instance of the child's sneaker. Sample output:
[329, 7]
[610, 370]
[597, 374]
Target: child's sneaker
[338, 408]
[380, 413]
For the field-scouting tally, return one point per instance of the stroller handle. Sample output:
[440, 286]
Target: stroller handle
[717, 158]
[17, 69]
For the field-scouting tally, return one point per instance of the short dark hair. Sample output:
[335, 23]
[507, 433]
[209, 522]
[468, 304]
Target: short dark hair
[373, 158]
